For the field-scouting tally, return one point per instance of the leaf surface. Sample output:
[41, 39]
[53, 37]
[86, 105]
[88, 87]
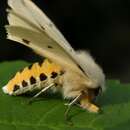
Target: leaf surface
[48, 112]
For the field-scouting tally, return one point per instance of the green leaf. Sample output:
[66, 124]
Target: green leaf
[48, 112]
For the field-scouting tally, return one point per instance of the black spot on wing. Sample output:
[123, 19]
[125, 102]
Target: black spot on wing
[81, 68]
[54, 75]
[16, 87]
[49, 47]
[26, 41]
[24, 83]
[42, 27]
[42, 77]
[32, 80]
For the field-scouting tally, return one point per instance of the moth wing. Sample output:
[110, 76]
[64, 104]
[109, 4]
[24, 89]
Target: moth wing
[46, 47]
[26, 18]
[43, 22]
[25, 25]
[34, 19]
[29, 11]
[15, 19]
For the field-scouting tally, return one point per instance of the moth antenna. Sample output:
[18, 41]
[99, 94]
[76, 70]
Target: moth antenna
[70, 104]
[40, 92]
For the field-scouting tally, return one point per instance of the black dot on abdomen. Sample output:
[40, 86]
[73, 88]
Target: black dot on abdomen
[16, 87]
[32, 80]
[42, 77]
[54, 75]
[24, 83]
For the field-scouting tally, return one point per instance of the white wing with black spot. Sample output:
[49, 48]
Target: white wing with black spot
[30, 26]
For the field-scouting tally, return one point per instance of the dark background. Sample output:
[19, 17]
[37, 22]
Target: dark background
[100, 26]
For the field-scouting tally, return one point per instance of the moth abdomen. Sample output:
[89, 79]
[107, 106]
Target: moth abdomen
[35, 76]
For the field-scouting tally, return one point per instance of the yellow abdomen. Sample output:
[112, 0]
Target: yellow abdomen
[32, 75]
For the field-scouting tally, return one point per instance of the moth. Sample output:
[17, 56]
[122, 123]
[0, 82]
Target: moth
[74, 74]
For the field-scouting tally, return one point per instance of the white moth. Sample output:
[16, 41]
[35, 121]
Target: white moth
[82, 78]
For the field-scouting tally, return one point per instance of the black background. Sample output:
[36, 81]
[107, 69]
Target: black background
[100, 26]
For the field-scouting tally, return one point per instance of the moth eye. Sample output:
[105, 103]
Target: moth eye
[32, 80]
[43, 77]
[97, 91]
[16, 87]
[54, 75]
[24, 83]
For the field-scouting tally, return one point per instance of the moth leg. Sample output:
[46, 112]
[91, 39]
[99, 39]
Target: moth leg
[86, 103]
[70, 104]
[40, 92]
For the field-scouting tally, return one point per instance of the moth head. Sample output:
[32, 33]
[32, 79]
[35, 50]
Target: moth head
[92, 94]
[93, 88]
[75, 84]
